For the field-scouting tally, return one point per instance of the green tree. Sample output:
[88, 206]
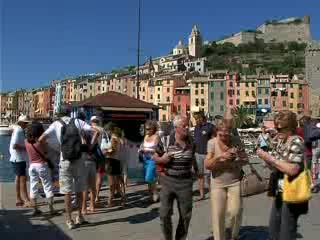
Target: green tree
[242, 118]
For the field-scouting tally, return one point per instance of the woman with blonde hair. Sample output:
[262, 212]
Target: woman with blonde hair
[147, 149]
[286, 159]
[225, 159]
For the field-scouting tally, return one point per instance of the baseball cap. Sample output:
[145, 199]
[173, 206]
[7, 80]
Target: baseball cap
[95, 119]
[24, 119]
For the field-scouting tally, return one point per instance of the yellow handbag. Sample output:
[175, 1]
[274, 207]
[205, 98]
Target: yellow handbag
[297, 190]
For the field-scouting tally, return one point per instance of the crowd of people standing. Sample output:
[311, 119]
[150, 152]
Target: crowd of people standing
[214, 155]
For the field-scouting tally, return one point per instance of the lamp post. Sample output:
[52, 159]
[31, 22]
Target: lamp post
[138, 50]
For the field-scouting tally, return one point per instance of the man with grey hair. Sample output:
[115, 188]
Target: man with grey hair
[176, 181]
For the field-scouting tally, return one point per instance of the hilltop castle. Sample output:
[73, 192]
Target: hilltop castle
[286, 30]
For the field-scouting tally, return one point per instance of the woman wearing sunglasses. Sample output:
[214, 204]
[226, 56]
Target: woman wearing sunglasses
[147, 149]
[287, 158]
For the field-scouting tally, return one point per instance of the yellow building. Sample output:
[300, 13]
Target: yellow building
[247, 88]
[199, 93]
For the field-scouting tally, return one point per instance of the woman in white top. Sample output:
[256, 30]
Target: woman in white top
[147, 149]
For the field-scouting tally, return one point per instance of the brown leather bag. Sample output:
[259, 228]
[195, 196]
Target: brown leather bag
[253, 183]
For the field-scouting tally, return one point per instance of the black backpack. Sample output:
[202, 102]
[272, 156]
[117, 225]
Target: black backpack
[70, 141]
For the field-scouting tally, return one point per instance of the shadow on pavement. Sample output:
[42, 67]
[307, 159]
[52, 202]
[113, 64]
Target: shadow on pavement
[135, 219]
[15, 224]
[254, 233]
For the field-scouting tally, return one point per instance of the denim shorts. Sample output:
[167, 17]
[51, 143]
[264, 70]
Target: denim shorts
[200, 163]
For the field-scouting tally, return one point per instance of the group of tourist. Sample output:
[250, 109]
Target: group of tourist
[214, 155]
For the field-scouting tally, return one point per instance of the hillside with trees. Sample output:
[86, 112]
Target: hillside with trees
[272, 58]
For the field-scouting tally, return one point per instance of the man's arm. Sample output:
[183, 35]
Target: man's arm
[16, 145]
[49, 132]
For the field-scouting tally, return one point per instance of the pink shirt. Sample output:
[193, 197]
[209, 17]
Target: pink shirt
[34, 157]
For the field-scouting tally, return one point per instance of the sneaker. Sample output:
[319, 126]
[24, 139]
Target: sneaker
[36, 213]
[70, 225]
[80, 220]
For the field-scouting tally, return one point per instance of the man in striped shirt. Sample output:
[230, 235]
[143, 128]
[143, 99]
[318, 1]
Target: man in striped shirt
[176, 182]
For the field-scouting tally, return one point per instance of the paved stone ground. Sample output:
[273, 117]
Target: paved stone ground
[140, 220]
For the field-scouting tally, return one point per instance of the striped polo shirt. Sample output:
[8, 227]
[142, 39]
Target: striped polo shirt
[180, 163]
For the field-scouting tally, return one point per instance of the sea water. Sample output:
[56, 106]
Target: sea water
[6, 172]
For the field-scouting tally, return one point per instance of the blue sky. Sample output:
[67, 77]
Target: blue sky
[42, 40]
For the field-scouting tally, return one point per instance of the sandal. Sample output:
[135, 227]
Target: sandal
[19, 204]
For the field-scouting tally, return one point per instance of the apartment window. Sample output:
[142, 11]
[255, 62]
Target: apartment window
[259, 91]
[168, 99]
[179, 98]
[164, 117]
[221, 108]
[168, 90]
[212, 95]
[221, 95]
[300, 94]
[158, 89]
[273, 85]
[197, 85]
[284, 94]
[143, 97]
[202, 84]
[238, 84]
[291, 105]
[168, 81]
[253, 93]
[231, 84]
[164, 108]
[103, 89]
[267, 91]
[158, 96]
[238, 92]
[247, 84]
[198, 63]
[151, 96]
[266, 101]
[212, 108]
[300, 87]
[291, 85]
[247, 93]
[259, 101]
[179, 108]
[292, 95]
[231, 101]
[202, 102]
[252, 84]
[221, 84]
[196, 92]
[274, 103]
[283, 85]
[284, 103]
[197, 102]
[202, 91]
[144, 89]
[238, 102]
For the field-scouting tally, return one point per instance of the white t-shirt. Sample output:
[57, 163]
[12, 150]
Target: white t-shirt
[17, 138]
[54, 130]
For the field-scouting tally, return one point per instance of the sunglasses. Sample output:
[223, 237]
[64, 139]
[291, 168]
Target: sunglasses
[281, 130]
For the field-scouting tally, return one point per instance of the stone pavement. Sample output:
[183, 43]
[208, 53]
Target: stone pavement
[140, 220]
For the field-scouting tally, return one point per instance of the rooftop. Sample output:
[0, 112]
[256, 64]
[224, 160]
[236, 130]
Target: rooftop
[115, 100]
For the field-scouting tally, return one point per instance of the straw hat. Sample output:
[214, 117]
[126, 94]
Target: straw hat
[23, 119]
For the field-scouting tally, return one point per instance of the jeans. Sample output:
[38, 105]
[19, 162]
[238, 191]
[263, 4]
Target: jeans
[181, 190]
[283, 220]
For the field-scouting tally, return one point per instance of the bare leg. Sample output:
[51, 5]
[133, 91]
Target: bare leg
[92, 194]
[98, 185]
[68, 208]
[111, 186]
[23, 189]
[18, 192]
[79, 201]
[201, 187]
[84, 202]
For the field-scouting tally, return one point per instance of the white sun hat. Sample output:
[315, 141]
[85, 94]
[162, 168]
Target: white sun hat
[94, 118]
[23, 118]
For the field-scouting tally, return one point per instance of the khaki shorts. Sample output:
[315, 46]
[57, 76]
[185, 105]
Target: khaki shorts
[72, 176]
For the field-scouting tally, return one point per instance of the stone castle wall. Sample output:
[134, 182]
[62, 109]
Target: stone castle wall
[285, 32]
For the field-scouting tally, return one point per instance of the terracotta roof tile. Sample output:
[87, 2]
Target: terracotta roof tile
[114, 99]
